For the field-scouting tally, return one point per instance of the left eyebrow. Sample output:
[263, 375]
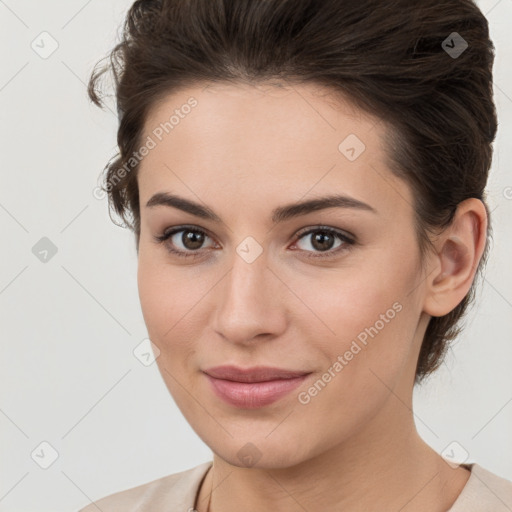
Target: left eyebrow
[279, 214]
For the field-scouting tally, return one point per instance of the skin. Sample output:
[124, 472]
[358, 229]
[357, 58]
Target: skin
[243, 151]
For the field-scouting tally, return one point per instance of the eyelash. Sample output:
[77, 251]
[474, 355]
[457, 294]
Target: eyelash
[347, 245]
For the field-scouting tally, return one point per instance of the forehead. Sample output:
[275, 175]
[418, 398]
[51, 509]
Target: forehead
[297, 113]
[241, 139]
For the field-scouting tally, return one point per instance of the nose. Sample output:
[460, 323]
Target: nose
[250, 302]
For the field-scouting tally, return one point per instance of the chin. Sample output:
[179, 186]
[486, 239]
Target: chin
[261, 452]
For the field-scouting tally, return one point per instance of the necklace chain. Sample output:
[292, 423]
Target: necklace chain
[211, 491]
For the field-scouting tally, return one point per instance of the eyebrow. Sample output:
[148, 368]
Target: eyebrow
[279, 214]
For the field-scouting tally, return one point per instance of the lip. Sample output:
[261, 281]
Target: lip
[255, 387]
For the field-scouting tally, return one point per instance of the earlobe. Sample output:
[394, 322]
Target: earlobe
[459, 249]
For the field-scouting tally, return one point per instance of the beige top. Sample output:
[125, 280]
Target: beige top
[483, 492]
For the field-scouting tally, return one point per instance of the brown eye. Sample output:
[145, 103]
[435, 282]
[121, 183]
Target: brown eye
[183, 241]
[323, 240]
[189, 241]
[192, 240]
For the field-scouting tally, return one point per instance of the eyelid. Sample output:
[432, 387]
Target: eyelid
[321, 227]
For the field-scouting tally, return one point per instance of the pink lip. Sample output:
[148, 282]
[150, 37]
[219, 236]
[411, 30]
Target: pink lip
[253, 387]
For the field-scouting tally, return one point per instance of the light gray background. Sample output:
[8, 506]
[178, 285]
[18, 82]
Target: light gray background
[70, 325]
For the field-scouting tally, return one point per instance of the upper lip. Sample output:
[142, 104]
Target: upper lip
[254, 374]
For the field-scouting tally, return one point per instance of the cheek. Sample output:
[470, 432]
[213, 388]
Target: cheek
[371, 346]
[370, 318]
[365, 359]
[164, 292]
[358, 301]
[163, 302]
[170, 300]
[151, 293]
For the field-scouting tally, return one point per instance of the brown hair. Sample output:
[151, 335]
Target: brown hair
[391, 59]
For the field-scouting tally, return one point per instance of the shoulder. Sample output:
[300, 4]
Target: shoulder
[484, 492]
[176, 490]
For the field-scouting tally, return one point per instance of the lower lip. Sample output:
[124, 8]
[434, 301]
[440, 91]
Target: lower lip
[252, 395]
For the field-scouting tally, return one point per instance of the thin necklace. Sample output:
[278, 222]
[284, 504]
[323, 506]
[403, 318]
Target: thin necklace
[211, 491]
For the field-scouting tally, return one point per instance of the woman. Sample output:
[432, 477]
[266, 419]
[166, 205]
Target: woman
[305, 181]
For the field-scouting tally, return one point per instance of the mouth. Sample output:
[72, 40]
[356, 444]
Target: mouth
[255, 387]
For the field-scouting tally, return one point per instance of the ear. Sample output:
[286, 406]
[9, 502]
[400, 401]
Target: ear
[458, 251]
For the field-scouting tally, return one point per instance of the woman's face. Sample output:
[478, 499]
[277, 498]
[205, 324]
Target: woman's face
[263, 283]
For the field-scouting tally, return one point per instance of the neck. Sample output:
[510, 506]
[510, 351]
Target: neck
[385, 466]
